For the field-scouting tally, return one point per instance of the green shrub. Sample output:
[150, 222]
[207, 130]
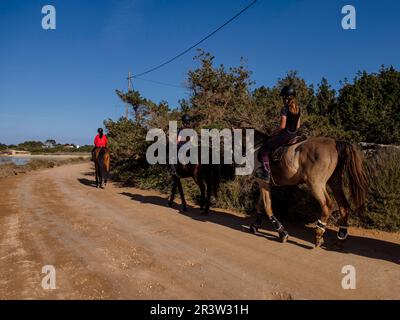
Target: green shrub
[383, 201]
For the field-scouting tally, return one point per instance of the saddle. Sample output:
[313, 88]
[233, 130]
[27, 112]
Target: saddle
[277, 154]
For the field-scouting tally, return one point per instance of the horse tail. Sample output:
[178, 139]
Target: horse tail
[216, 179]
[351, 161]
[100, 163]
[107, 163]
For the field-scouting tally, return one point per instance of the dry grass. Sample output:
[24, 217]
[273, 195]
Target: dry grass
[11, 169]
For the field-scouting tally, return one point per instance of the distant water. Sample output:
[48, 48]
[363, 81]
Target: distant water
[19, 161]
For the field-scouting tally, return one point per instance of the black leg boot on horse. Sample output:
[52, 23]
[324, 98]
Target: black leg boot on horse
[283, 234]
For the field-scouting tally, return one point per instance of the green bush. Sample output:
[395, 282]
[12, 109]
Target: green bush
[383, 202]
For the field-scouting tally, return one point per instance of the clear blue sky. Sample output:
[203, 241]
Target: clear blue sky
[60, 84]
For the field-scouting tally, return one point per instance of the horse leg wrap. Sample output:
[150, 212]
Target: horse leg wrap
[342, 233]
[321, 225]
[276, 224]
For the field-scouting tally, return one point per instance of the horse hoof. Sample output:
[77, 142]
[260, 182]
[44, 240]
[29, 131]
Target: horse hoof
[170, 203]
[319, 242]
[253, 229]
[184, 208]
[284, 236]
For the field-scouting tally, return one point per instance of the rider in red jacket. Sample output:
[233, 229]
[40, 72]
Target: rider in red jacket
[100, 141]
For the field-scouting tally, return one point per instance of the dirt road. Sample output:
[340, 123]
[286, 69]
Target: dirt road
[124, 243]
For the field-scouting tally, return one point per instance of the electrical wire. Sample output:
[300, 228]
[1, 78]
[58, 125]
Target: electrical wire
[162, 83]
[197, 43]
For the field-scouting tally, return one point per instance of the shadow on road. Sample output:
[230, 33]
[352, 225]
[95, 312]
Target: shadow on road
[89, 173]
[358, 245]
[87, 182]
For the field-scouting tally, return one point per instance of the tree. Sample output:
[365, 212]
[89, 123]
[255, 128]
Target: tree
[371, 106]
[51, 143]
[31, 145]
[136, 101]
[220, 97]
[126, 138]
[325, 99]
[269, 104]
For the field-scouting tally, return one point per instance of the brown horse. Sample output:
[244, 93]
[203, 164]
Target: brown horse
[206, 176]
[317, 162]
[102, 166]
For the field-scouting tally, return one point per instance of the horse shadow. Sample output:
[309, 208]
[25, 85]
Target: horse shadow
[87, 182]
[356, 244]
[89, 174]
[159, 201]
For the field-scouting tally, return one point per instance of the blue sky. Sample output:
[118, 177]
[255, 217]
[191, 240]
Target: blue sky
[60, 84]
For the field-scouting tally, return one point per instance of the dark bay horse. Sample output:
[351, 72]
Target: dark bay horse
[317, 162]
[206, 176]
[102, 166]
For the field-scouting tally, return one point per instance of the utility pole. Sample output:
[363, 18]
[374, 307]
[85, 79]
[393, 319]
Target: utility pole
[129, 90]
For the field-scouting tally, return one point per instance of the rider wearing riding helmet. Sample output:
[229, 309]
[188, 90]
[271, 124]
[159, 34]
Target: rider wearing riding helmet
[100, 141]
[186, 121]
[287, 130]
[186, 124]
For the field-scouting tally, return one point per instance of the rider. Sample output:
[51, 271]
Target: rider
[100, 141]
[290, 123]
[186, 121]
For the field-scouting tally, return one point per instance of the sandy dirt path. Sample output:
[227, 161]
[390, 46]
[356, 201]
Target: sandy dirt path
[125, 243]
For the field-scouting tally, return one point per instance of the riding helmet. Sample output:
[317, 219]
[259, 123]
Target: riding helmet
[288, 91]
[186, 119]
[100, 130]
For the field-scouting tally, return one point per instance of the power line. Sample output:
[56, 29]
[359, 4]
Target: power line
[196, 44]
[162, 83]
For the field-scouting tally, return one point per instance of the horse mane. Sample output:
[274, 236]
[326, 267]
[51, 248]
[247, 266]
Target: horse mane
[259, 136]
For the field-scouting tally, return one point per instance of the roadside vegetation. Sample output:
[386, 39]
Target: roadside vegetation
[366, 109]
[11, 169]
